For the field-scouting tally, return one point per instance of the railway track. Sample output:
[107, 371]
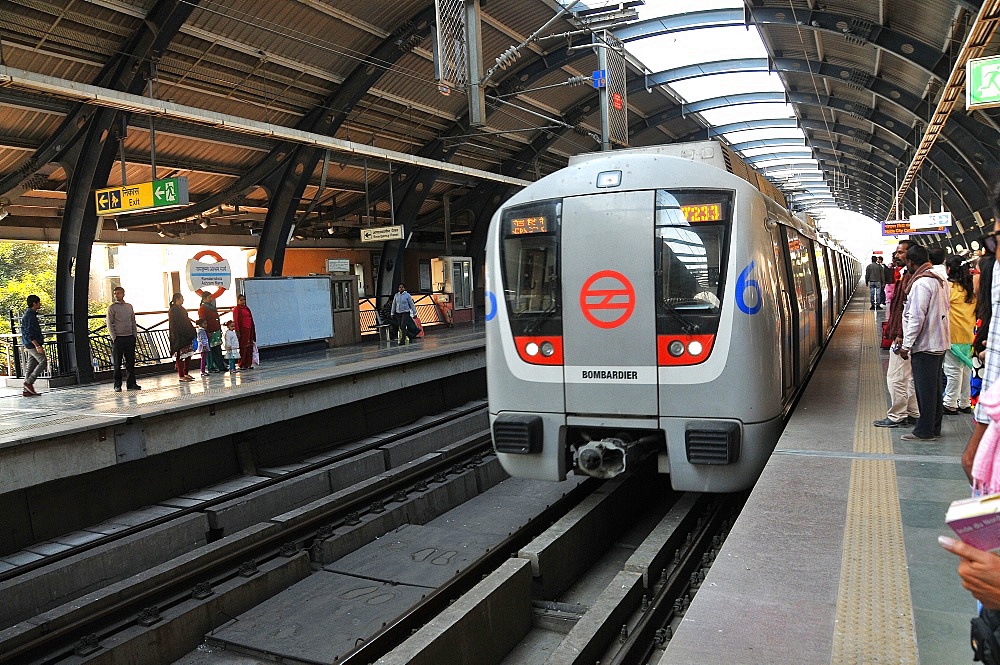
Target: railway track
[80, 603]
[606, 583]
[398, 565]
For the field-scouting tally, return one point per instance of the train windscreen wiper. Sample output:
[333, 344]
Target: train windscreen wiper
[688, 326]
[539, 317]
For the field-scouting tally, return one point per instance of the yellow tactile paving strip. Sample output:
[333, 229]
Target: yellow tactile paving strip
[874, 608]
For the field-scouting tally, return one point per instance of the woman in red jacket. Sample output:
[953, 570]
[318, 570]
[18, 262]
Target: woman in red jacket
[245, 331]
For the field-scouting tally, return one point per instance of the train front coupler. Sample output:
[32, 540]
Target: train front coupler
[612, 456]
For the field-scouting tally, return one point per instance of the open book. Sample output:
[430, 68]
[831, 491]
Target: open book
[976, 521]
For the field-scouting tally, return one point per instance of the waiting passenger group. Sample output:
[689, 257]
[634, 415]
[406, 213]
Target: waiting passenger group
[931, 326]
[220, 350]
[939, 326]
[230, 352]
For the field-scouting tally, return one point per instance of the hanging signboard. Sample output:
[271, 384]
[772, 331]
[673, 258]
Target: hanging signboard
[982, 83]
[901, 227]
[382, 234]
[933, 220]
[142, 196]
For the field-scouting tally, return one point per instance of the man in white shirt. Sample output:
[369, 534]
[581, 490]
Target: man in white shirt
[926, 337]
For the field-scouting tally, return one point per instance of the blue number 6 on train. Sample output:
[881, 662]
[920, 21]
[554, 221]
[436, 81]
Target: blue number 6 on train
[742, 284]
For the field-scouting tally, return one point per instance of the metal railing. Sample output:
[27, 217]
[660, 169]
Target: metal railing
[152, 343]
[57, 332]
[427, 311]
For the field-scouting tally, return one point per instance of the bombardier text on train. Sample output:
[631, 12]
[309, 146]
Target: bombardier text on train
[654, 305]
[613, 374]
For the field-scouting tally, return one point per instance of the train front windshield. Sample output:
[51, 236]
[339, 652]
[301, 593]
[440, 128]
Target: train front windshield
[691, 236]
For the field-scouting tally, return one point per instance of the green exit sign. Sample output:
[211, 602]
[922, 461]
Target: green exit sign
[982, 83]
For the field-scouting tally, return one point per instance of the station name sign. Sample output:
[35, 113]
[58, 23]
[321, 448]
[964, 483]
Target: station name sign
[382, 234]
[142, 196]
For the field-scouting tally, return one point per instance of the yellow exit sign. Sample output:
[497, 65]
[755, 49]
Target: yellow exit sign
[142, 196]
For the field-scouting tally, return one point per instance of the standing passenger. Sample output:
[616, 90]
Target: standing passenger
[936, 256]
[926, 334]
[962, 318]
[989, 283]
[881, 290]
[34, 347]
[206, 351]
[213, 327]
[874, 277]
[899, 377]
[245, 330]
[181, 334]
[404, 310]
[889, 279]
[123, 330]
[232, 346]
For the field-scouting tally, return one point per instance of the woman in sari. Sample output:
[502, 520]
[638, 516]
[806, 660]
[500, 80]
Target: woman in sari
[181, 334]
[245, 331]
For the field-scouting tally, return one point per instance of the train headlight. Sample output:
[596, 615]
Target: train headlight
[609, 178]
[695, 348]
[676, 348]
[548, 349]
[531, 349]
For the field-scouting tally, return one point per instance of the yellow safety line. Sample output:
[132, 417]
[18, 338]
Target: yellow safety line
[874, 609]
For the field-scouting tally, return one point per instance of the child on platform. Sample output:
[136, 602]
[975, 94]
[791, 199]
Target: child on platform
[231, 345]
[206, 353]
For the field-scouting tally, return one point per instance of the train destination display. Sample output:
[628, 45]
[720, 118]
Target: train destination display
[702, 212]
[527, 225]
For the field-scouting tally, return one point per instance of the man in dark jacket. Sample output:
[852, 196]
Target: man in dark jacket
[899, 378]
[874, 277]
[31, 337]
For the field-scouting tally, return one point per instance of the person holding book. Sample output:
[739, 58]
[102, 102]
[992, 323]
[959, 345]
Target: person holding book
[979, 570]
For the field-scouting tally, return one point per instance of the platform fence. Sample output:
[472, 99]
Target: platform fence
[152, 344]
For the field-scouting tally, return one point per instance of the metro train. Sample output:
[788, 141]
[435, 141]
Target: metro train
[654, 301]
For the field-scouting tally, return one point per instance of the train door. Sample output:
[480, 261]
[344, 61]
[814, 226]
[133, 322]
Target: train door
[823, 284]
[831, 274]
[806, 316]
[788, 322]
[609, 328]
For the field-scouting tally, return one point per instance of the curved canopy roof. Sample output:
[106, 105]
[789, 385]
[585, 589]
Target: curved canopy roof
[831, 100]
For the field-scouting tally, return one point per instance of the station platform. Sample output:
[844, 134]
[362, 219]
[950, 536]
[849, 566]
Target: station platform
[835, 557]
[91, 441]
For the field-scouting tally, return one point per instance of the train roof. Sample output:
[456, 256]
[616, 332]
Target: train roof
[713, 152]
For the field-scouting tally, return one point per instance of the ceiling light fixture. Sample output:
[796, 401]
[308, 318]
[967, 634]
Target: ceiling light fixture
[204, 223]
[4, 213]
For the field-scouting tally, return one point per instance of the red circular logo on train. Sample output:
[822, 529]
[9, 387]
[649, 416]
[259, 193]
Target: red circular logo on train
[607, 299]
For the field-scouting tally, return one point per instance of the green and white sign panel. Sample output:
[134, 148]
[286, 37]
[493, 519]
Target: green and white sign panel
[982, 83]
